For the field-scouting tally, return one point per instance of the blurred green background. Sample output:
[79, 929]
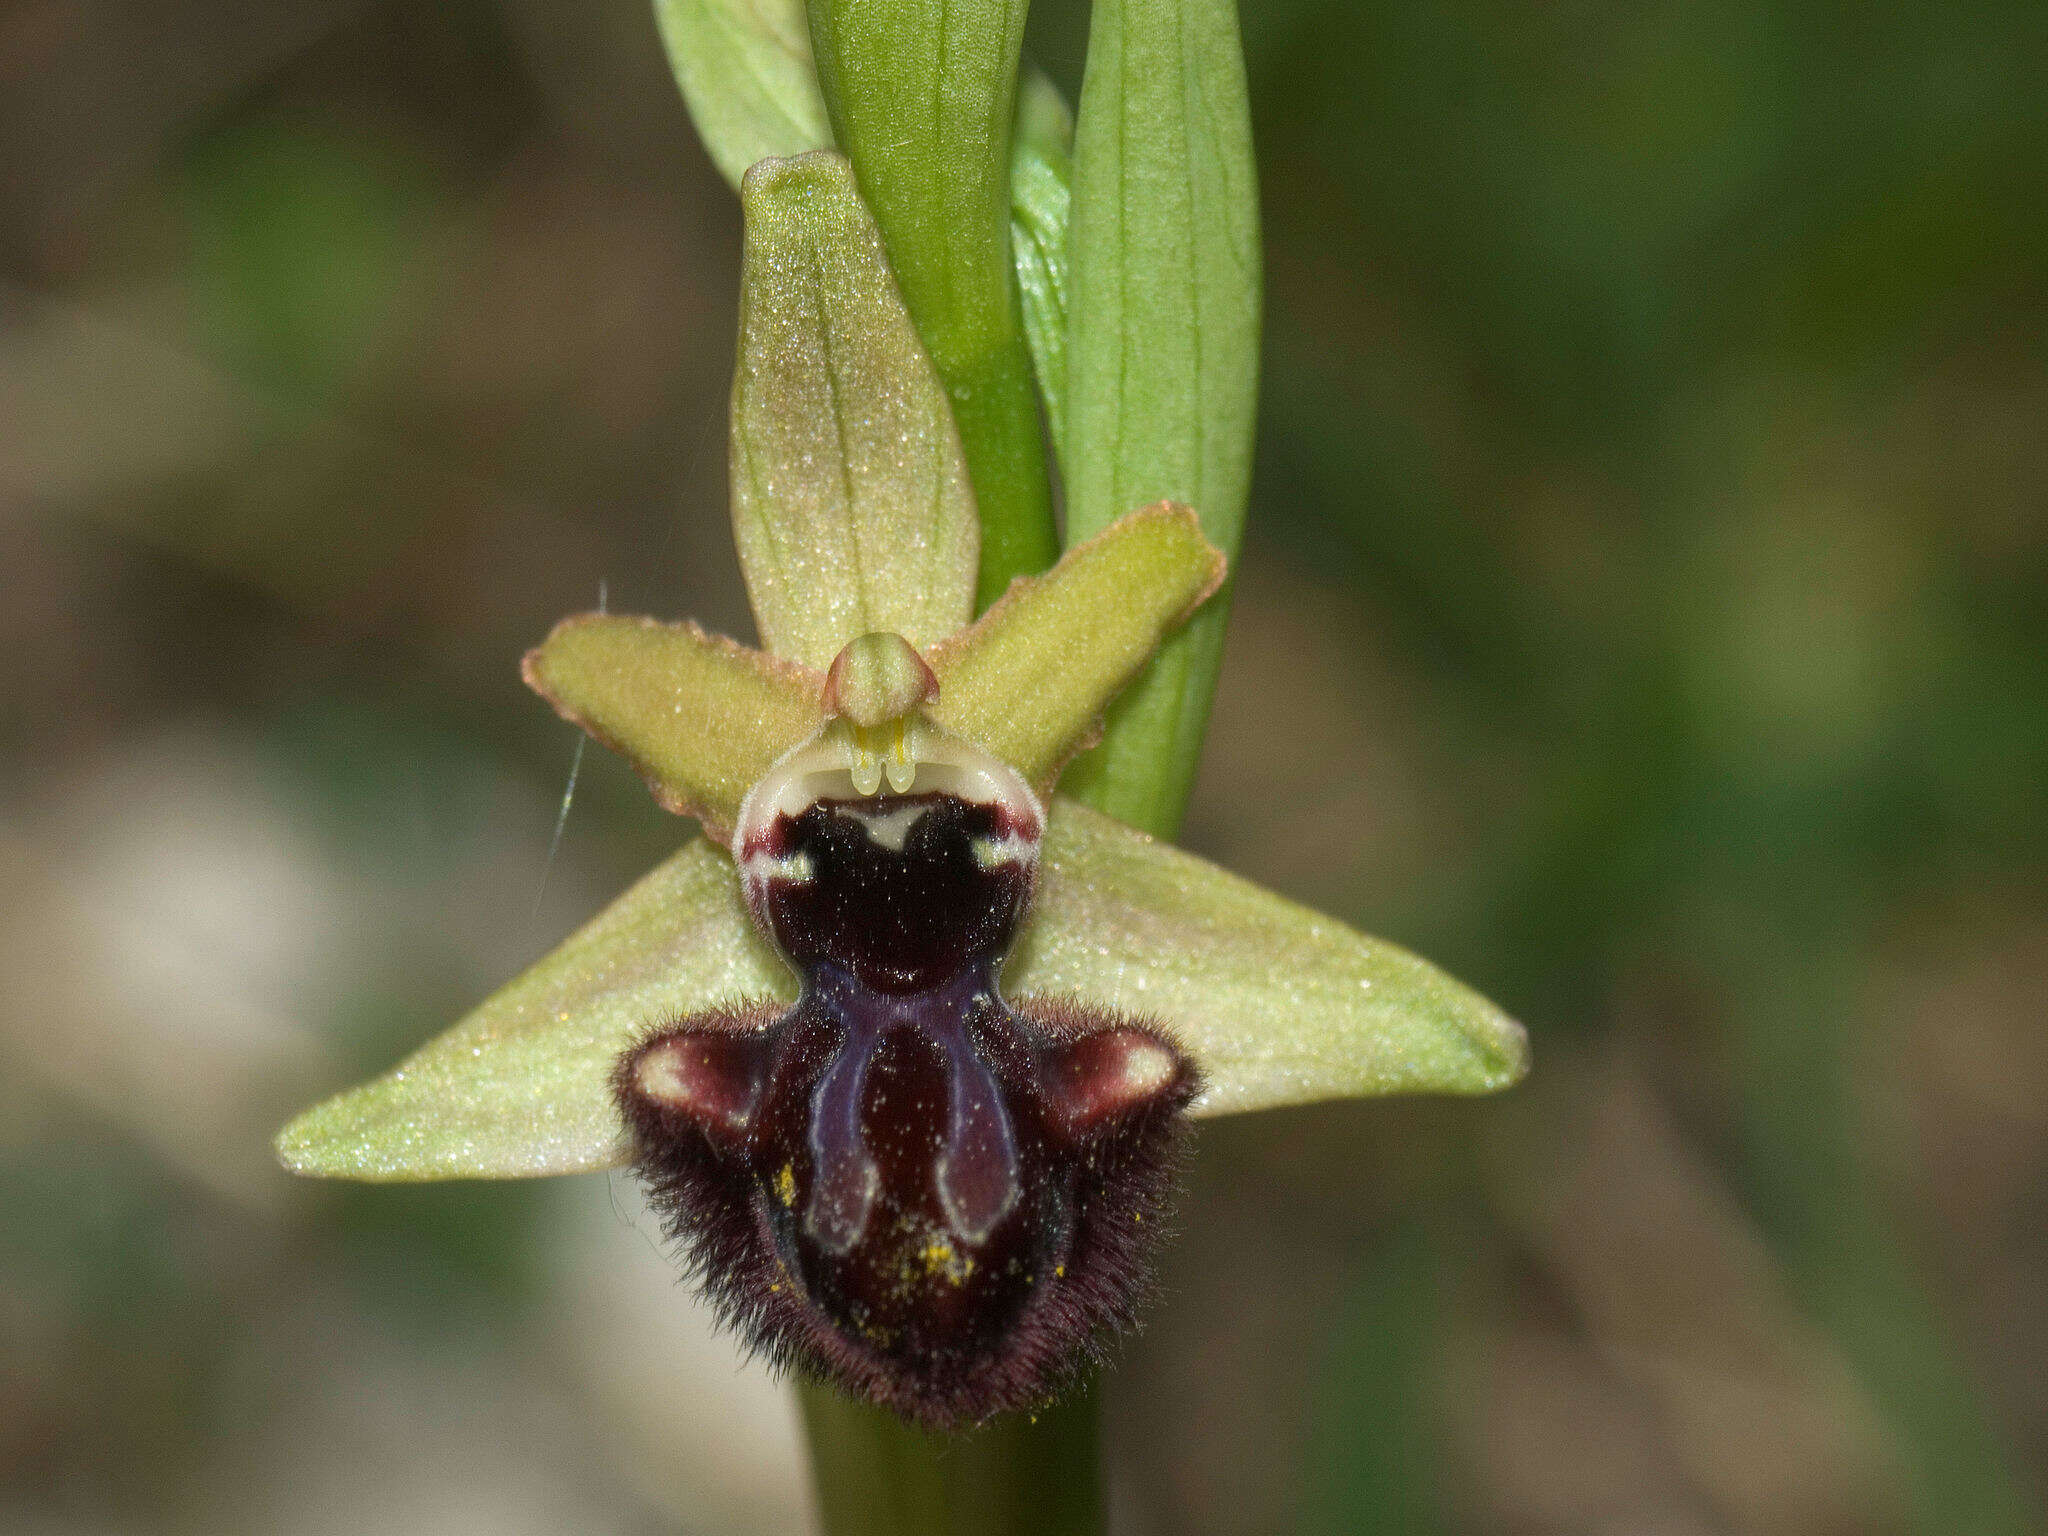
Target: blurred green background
[1645, 614]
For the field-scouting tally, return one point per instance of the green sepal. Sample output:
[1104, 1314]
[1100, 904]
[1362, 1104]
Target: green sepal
[850, 499]
[1041, 174]
[522, 1086]
[747, 77]
[1277, 1004]
[1030, 678]
[699, 716]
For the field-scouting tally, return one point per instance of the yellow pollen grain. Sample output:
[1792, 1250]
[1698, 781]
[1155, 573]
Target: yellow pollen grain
[939, 1258]
[785, 1185]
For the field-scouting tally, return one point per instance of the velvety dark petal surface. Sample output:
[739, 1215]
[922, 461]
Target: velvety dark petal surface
[949, 1266]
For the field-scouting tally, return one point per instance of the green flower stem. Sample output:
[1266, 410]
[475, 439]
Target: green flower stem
[1162, 346]
[1159, 385]
[922, 95]
[876, 1476]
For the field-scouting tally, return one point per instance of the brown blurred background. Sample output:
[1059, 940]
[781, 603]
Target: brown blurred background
[1645, 614]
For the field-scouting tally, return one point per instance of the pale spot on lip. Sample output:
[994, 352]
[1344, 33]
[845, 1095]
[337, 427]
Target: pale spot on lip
[994, 852]
[682, 1078]
[790, 869]
[887, 829]
[662, 1077]
[1148, 1067]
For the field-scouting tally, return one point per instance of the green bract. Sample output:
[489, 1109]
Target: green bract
[1041, 173]
[745, 70]
[852, 534]
[1162, 343]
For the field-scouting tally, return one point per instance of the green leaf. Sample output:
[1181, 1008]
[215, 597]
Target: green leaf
[746, 74]
[922, 95]
[850, 499]
[1041, 172]
[522, 1087]
[698, 716]
[1162, 365]
[1276, 1003]
[1162, 343]
[1030, 679]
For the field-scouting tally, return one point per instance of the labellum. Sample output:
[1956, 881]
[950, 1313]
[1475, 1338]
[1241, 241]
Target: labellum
[902, 1182]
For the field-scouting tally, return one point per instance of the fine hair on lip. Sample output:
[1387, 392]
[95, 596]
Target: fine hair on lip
[911, 1313]
[902, 1183]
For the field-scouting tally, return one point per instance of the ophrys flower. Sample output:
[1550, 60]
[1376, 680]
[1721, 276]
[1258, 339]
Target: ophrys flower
[907, 1076]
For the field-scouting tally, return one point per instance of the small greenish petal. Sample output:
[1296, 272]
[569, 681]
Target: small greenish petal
[1040, 178]
[1030, 679]
[851, 503]
[700, 717]
[747, 77]
[521, 1088]
[1276, 1003]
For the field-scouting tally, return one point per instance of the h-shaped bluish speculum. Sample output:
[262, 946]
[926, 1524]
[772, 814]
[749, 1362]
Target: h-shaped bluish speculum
[901, 1181]
[976, 1176]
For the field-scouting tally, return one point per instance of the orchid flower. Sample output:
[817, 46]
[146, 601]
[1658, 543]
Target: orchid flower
[904, 1042]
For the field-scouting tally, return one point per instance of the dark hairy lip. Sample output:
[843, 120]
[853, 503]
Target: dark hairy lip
[902, 1183]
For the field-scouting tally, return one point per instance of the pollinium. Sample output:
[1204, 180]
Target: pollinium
[939, 1200]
